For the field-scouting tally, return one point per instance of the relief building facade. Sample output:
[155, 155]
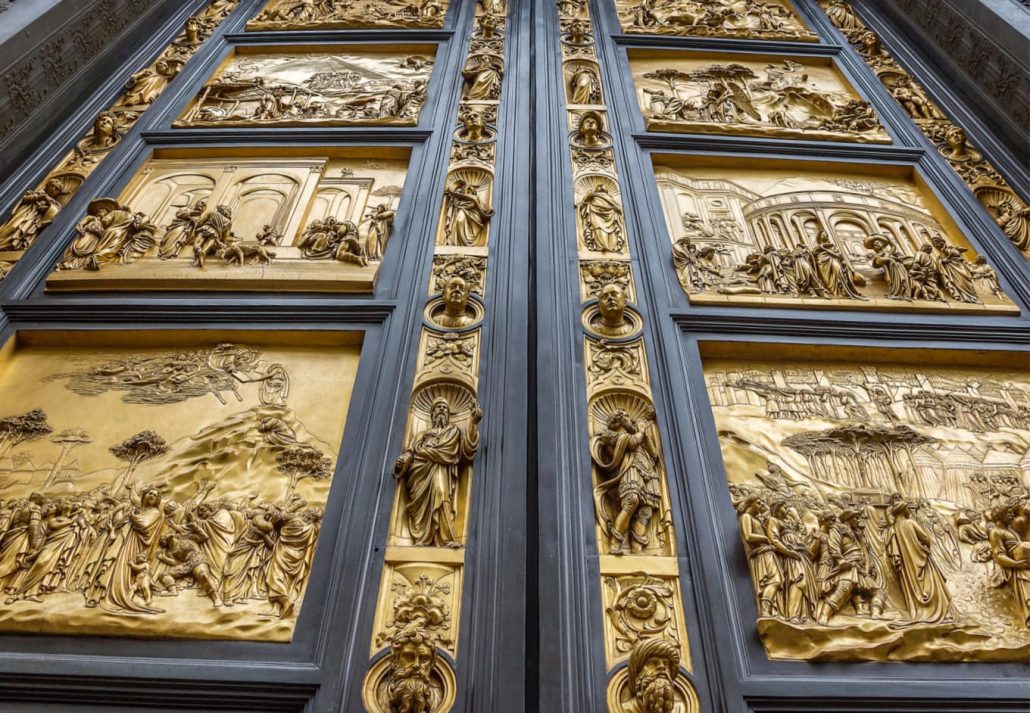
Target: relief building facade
[415, 356]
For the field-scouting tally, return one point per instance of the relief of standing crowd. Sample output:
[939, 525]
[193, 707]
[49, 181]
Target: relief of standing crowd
[123, 552]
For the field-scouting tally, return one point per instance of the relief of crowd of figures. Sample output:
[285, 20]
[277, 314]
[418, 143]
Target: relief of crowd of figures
[343, 86]
[241, 223]
[38, 207]
[791, 98]
[801, 236]
[741, 19]
[646, 646]
[886, 505]
[1008, 209]
[414, 646]
[280, 15]
[162, 521]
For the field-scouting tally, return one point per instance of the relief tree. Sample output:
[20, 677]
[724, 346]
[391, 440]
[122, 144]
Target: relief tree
[30, 426]
[67, 439]
[300, 462]
[136, 449]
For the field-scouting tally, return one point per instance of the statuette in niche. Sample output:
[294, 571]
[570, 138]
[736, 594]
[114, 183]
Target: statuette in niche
[146, 85]
[600, 214]
[467, 209]
[818, 237]
[629, 494]
[681, 91]
[746, 19]
[430, 469]
[482, 74]
[875, 537]
[320, 88]
[35, 211]
[583, 83]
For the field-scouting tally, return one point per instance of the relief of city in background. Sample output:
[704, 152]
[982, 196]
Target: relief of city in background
[884, 510]
[280, 15]
[349, 84]
[172, 489]
[279, 221]
[750, 95]
[796, 234]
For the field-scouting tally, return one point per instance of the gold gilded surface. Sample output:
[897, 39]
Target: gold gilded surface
[312, 86]
[752, 95]
[883, 506]
[349, 14]
[652, 682]
[417, 618]
[819, 235]
[166, 484]
[641, 606]
[419, 590]
[1008, 209]
[211, 222]
[37, 208]
[647, 653]
[740, 19]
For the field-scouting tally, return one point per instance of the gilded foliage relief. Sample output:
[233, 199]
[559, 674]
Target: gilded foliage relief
[884, 509]
[192, 507]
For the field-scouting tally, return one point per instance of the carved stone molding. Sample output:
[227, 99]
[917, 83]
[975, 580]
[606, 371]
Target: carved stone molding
[965, 42]
[52, 63]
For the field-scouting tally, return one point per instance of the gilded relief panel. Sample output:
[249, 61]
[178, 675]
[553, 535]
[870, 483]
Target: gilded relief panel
[192, 508]
[882, 498]
[38, 207]
[800, 234]
[740, 19]
[284, 15]
[200, 221]
[337, 85]
[1007, 208]
[751, 95]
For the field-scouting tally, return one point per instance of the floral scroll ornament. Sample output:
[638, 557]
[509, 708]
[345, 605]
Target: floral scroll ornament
[420, 605]
[642, 607]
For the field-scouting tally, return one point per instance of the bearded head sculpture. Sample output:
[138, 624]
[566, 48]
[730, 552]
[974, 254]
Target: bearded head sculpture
[652, 670]
[412, 656]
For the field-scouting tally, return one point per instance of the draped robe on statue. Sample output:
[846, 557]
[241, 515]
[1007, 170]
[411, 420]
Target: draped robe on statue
[923, 585]
[139, 534]
[219, 533]
[291, 561]
[601, 217]
[437, 456]
[466, 216]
